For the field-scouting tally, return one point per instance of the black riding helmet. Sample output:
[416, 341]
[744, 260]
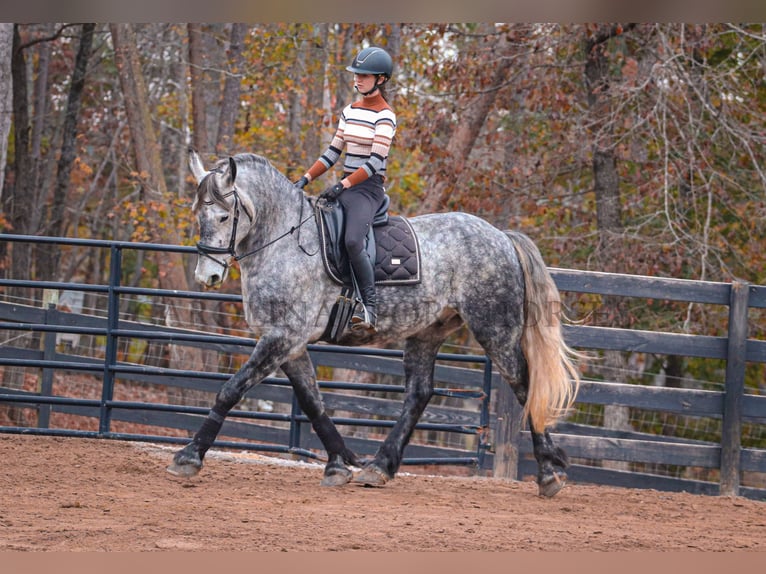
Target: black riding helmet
[374, 61]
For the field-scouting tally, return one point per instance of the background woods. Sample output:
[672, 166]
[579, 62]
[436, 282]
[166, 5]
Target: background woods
[634, 148]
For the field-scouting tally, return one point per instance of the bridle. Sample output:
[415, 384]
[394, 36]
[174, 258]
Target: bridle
[210, 251]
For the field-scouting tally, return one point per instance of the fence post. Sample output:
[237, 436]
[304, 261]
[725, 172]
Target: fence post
[295, 425]
[484, 417]
[731, 434]
[507, 432]
[110, 355]
[50, 297]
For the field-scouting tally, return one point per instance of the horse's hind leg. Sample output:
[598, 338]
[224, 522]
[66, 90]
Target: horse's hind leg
[551, 464]
[551, 460]
[300, 371]
[509, 359]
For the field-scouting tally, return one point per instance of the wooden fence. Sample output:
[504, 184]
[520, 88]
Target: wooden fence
[471, 402]
[732, 405]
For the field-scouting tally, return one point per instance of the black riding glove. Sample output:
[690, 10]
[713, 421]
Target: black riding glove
[302, 182]
[332, 193]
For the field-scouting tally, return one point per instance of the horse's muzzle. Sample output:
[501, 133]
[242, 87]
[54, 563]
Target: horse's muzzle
[210, 272]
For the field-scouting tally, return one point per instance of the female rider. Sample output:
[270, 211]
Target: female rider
[365, 128]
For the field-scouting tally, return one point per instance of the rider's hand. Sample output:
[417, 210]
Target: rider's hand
[302, 182]
[332, 193]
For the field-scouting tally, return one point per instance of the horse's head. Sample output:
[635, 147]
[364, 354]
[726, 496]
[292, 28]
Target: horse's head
[222, 216]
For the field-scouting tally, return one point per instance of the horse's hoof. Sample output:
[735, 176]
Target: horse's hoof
[337, 479]
[549, 486]
[183, 470]
[371, 476]
[186, 463]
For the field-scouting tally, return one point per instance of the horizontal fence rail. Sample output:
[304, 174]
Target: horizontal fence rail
[470, 399]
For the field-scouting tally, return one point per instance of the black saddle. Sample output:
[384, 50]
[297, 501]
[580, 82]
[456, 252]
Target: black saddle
[391, 244]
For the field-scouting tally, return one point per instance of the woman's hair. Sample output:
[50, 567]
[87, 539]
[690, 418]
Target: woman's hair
[382, 89]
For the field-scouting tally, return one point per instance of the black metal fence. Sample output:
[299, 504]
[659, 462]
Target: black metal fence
[472, 421]
[293, 436]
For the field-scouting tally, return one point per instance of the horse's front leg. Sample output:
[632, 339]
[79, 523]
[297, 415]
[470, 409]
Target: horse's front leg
[301, 373]
[268, 354]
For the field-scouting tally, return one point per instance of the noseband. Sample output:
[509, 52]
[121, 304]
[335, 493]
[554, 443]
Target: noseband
[210, 251]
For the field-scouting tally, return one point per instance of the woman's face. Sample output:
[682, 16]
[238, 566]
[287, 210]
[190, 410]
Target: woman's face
[364, 82]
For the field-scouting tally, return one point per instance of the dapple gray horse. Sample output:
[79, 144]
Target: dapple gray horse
[495, 282]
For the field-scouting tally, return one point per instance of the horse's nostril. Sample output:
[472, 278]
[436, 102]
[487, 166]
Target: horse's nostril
[214, 280]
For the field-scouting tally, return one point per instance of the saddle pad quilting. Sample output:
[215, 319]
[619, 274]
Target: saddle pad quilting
[396, 253]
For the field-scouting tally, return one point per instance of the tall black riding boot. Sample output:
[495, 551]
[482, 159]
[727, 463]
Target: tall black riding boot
[364, 318]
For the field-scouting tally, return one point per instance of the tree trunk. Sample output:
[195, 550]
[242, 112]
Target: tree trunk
[607, 187]
[296, 109]
[205, 59]
[40, 119]
[20, 213]
[6, 119]
[6, 96]
[231, 89]
[45, 128]
[196, 66]
[316, 64]
[21, 208]
[344, 84]
[306, 109]
[605, 176]
[135, 96]
[49, 255]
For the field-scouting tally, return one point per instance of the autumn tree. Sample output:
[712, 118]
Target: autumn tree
[483, 65]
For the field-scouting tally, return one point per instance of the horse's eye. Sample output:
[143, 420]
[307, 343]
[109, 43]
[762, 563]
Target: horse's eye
[224, 218]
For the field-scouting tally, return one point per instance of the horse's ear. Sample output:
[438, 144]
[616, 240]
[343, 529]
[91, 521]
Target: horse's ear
[195, 165]
[232, 170]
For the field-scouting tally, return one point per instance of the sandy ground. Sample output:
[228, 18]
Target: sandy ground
[71, 494]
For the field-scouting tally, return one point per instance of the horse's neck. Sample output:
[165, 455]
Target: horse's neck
[288, 207]
[279, 210]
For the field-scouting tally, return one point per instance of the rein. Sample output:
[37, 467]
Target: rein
[209, 250]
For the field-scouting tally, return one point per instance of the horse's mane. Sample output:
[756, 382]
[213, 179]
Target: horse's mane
[245, 161]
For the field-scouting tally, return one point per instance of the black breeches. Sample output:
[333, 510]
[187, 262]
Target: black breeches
[360, 202]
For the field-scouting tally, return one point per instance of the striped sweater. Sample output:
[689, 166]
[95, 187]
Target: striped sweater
[365, 129]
